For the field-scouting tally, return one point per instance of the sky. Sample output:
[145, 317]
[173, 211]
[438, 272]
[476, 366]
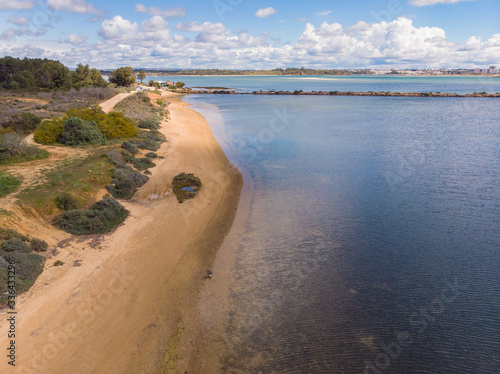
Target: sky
[259, 34]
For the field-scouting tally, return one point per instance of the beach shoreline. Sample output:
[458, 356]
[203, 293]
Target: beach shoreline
[118, 310]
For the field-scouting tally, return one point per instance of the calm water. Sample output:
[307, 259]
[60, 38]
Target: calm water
[454, 84]
[372, 240]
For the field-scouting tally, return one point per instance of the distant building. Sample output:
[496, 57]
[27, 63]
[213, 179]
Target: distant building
[493, 70]
[477, 71]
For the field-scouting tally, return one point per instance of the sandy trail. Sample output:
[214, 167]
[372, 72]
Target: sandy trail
[115, 310]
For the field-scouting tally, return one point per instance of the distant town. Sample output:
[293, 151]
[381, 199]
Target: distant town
[486, 71]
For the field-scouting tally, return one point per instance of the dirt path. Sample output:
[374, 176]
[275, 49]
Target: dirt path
[116, 308]
[108, 105]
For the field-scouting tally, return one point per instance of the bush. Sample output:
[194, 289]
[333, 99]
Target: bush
[152, 123]
[15, 245]
[142, 163]
[66, 201]
[38, 245]
[78, 131]
[116, 125]
[130, 147]
[113, 125]
[151, 155]
[102, 217]
[28, 267]
[14, 149]
[49, 131]
[23, 122]
[8, 184]
[184, 180]
[125, 182]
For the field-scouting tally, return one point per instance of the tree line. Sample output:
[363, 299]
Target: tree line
[37, 73]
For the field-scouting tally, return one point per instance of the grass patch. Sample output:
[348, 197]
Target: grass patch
[81, 177]
[183, 181]
[8, 184]
[102, 217]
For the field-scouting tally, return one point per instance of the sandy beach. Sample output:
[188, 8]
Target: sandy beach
[118, 303]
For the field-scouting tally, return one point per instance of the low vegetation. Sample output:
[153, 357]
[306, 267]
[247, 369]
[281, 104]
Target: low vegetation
[101, 217]
[139, 107]
[81, 177]
[85, 126]
[125, 181]
[19, 248]
[13, 148]
[186, 186]
[78, 131]
[8, 184]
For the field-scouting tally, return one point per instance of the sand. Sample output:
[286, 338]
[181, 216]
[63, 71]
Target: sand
[117, 305]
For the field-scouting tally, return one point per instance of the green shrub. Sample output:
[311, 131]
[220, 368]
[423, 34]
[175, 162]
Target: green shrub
[28, 267]
[151, 155]
[152, 123]
[14, 149]
[113, 125]
[49, 131]
[78, 131]
[130, 147]
[66, 201]
[23, 122]
[58, 263]
[125, 182]
[184, 180]
[38, 245]
[142, 163]
[102, 217]
[15, 245]
[8, 184]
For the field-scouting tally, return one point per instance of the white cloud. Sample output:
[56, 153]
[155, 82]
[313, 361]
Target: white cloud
[16, 4]
[154, 43]
[265, 12]
[73, 6]
[434, 2]
[75, 39]
[157, 11]
[12, 34]
[20, 21]
[324, 13]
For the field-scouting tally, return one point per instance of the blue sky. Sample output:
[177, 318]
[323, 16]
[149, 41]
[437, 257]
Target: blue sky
[254, 34]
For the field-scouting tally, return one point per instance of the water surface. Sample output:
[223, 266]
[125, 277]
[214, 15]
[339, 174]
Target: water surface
[372, 238]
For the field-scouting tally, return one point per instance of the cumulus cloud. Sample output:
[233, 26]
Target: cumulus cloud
[265, 12]
[16, 4]
[75, 39]
[324, 13]
[192, 44]
[434, 2]
[179, 12]
[73, 6]
[20, 21]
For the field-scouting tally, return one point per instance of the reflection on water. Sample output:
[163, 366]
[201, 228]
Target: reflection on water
[372, 239]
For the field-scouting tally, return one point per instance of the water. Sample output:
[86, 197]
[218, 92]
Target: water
[371, 242]
[451, 84]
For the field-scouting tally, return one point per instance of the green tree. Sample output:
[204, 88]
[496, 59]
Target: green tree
[141, 75]
[180, 84]
[123, 76]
